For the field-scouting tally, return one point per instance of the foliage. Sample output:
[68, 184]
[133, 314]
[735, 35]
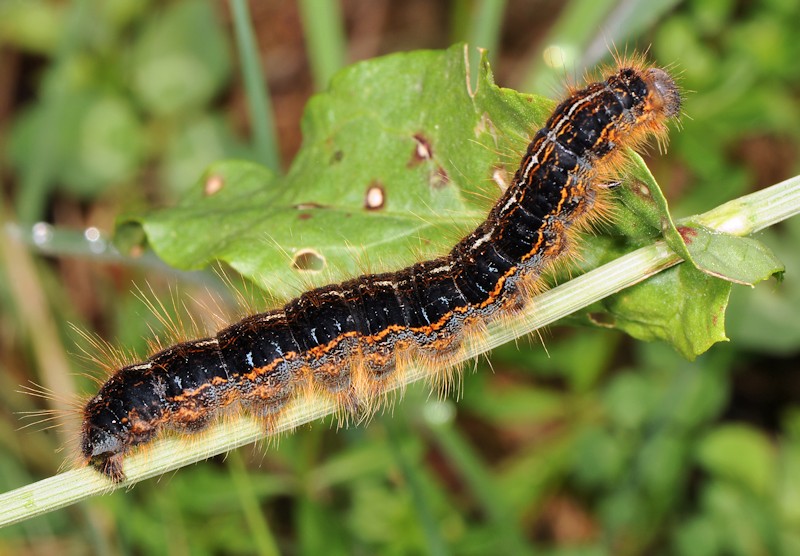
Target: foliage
[597, 445]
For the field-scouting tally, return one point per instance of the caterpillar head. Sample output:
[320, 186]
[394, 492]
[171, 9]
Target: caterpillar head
[664, 93]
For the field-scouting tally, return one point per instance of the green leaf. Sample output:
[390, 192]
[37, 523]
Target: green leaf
[686, 306]
[644, 199]
[196, 143]
[404, 128]
[740, 260]
[181, 59]
[789, 484]
[681, 305]
[628, 400]
[598, 458]
[745, 520]
[33, 25]
[739, 453]
[98, 141]
[698, 536]
[213, 223]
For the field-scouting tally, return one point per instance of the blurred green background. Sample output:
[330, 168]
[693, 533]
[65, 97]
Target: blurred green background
[598, 445]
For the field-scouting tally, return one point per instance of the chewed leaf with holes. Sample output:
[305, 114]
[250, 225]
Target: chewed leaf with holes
[400, 159]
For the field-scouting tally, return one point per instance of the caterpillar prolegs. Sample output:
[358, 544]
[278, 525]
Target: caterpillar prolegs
[348, 340]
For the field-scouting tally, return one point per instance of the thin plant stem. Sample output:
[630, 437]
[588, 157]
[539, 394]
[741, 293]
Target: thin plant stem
[555, 57]
[486, 24]
[423, 511]
[484, 31]
[258, 100]
[325, 40]
[259, 527]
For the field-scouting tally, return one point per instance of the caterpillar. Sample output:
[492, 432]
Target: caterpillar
[349, 340]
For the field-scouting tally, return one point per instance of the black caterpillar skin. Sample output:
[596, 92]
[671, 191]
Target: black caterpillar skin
[342, 337]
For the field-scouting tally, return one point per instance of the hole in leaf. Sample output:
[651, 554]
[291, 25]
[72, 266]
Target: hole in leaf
[214, 184]
[375, 197]
[308, 260]
[422, 152]
[604, 320]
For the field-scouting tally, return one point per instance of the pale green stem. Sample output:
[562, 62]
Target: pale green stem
[325, 40]
[58, 241]
[265, 139]
[741, 216]
[484, 32]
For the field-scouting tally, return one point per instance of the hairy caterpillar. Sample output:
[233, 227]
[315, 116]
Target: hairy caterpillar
[348, 340]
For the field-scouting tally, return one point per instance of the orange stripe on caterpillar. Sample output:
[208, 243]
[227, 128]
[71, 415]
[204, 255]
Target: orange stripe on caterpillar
[350, 340]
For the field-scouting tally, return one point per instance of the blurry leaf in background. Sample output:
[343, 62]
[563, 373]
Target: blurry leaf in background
[742, 454]
[737, 65]
[662, 467]
[766, 319]
[181, 60]
[697, 536]
[788, 485]
[628, 399]
[746, 523]
[690, 393]
[33, 25]
[99, 141]
[193, 144]
[357, 139]
[110, 142]
[598, 458]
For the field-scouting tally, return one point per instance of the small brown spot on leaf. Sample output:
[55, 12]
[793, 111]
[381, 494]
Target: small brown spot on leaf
[375, 197]
[213, 185]
[337, 156]
[308, 260]
[439, 179]
[304, 215]
[687, 234]
[423, 150]
[605, 320]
